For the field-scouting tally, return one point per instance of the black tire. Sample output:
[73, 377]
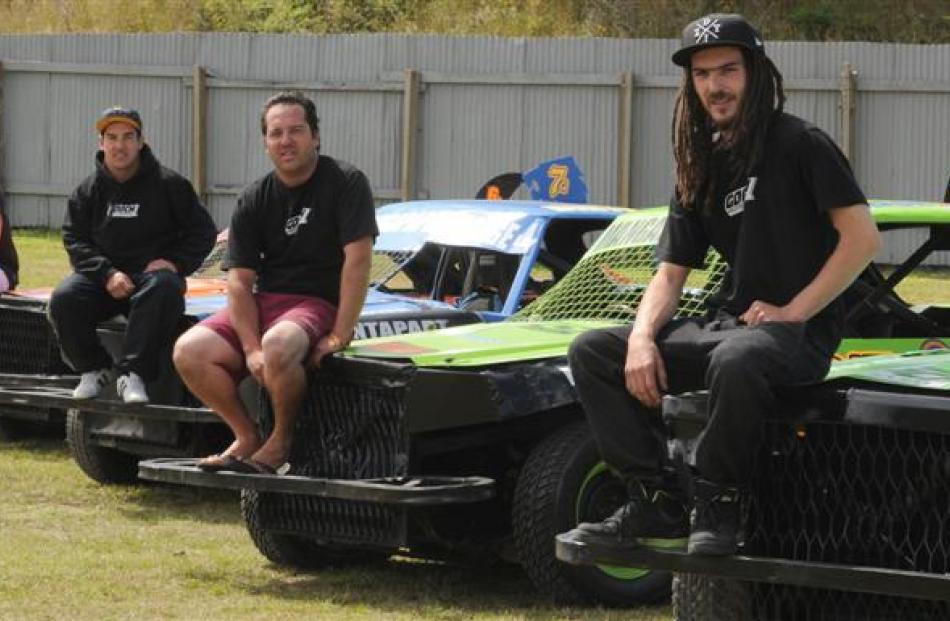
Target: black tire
[564, 482]
[101, 464]
[296, 550]
[699, 597]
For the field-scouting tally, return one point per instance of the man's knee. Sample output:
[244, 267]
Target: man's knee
[165, 285]
[735, 361]
[285, 344]
[194, 350]
[64, 299]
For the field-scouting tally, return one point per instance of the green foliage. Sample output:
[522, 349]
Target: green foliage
[910, 21]
[290, 16]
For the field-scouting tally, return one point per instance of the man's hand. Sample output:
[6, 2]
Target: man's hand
[255, 364]
[161, 264]
[644, 371]
[119, 285]
[761, 312]
[328, 344]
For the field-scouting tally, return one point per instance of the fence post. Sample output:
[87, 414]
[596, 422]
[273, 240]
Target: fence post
[199, 117]
[625, 139]
[846, 106]
[410, 121]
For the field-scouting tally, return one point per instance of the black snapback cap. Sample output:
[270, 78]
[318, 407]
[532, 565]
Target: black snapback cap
[716, 30]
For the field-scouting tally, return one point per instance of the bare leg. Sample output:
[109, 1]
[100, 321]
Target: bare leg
[207, 364]
[286, 346]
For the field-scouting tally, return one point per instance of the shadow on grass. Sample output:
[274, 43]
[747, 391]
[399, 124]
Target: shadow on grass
[41, 448]
[153, 502]
[408, 585]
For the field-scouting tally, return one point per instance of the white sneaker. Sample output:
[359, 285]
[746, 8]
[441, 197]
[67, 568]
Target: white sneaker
[91, 383]
[131, 388]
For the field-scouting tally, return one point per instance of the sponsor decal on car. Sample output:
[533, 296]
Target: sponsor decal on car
[392, 327]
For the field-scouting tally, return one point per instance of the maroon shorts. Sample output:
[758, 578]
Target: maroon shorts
[314, 315]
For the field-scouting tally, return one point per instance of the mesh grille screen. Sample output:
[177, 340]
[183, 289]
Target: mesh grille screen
[346, 430]
[386, 263]
[611, 278]
[854, 495]
[213, 265]
[27, 343]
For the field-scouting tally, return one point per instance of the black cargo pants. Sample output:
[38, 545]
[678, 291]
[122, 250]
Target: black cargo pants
[740, 366]
[79, 304]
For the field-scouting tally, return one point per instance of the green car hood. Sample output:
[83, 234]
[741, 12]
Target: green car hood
[478, 344]
[926, 370]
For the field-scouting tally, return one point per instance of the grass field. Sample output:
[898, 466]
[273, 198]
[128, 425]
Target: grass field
[72, 549]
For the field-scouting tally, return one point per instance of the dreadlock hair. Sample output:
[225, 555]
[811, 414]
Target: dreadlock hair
[693, 130]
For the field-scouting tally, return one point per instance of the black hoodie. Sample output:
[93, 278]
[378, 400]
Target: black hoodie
[154, 215]
[9, 262]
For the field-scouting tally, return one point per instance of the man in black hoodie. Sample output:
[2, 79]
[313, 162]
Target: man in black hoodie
[133, 230]
[9, 262]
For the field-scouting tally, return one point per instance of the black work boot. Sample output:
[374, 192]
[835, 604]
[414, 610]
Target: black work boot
[714, 523]
[652, 517]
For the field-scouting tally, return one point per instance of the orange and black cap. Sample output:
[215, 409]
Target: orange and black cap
[119, 114]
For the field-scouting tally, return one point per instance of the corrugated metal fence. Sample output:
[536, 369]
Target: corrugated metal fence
[434, 117]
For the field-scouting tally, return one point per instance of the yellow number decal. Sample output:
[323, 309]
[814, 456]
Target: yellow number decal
[560, 184]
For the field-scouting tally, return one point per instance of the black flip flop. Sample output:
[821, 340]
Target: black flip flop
[246, 465]
[224, 463]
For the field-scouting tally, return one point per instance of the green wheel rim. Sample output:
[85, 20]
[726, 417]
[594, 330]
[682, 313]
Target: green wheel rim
[620, 573]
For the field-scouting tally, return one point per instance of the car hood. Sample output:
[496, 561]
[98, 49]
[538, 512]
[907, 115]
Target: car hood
[378, 303]
[478, 344]
[925, 370]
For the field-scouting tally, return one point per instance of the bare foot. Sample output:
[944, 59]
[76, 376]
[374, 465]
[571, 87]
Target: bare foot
[238, 448]
[273, 453]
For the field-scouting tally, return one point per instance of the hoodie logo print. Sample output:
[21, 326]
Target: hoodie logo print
[124, 210]
[735, 201]
[294, 222]
[706, 29]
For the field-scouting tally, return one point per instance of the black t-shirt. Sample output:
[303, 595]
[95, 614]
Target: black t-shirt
[773, 228]
[294, 237]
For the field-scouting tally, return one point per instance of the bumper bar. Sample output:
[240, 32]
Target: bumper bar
[419, 490]
[862, 579]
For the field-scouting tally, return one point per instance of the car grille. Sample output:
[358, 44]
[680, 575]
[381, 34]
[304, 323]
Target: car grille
[349, 428]
[854, 495]
[27, 343]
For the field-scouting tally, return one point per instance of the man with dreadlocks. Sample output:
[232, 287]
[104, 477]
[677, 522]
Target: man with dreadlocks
[777, 199]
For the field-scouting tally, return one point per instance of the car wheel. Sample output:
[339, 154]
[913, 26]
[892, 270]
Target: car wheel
[564, 482]
[297, 550]
[101, 464]
[707, 598]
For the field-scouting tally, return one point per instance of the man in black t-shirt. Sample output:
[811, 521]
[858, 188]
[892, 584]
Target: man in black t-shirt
[300, 247]
[775, 197]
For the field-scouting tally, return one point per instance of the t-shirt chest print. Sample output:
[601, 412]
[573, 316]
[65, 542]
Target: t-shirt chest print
[294, 222]
[735, 200]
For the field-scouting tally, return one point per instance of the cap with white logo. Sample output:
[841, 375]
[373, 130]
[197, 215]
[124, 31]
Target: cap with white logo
[717, 29]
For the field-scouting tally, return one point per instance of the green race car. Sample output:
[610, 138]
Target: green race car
[471, 440]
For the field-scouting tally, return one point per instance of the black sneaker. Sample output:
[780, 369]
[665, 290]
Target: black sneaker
[714, 521]
[655, 518]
